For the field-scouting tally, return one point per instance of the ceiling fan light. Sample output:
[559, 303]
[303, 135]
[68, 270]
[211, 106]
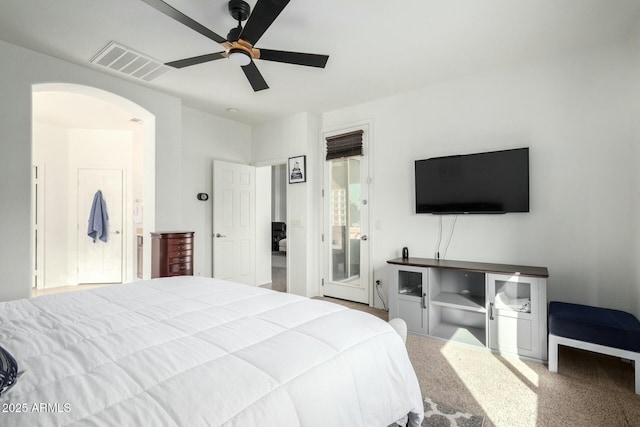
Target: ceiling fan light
[240, 57]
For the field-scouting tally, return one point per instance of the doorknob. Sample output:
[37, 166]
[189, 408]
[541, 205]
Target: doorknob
[117, 232]
[220, 235]
[363, 237]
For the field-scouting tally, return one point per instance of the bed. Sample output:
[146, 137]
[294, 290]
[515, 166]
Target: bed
[190, 351]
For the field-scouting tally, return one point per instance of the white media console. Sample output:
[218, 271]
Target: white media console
[496, 306]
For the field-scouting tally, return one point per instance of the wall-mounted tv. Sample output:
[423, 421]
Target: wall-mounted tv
[493, 182]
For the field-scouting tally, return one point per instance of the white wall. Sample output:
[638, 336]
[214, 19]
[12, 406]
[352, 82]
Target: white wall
[21, 69]
[206, 137]
[273, 143]
[574, 114]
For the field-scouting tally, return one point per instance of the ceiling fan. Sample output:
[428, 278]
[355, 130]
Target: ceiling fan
[240, 40]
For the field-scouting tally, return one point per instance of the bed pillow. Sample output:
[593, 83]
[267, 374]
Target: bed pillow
[8, 370]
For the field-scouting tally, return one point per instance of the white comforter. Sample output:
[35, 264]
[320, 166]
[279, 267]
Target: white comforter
[190, 351]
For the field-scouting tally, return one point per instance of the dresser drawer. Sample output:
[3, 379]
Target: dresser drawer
[179, 251]
[181, 268]
[180, 241]
[180, 259]
[179, 246]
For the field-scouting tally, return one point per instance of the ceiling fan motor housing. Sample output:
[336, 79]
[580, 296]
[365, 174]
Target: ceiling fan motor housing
[239, 9]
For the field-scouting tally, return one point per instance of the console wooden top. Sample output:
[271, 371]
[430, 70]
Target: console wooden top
[171, 234]
[482, 267]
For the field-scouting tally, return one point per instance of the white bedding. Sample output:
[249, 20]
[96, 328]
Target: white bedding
[189, 351]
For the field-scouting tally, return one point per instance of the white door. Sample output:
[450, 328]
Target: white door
[346, 229]
[100, 262]
[234, 222]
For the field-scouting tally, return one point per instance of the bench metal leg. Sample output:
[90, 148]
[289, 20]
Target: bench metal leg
[636, 362]
[555, 341]
[553, 353]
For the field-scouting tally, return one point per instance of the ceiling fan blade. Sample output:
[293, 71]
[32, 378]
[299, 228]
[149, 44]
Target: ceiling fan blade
[261, 18]
[254, 77]
[171, 12]
[297, 58]
[181, 63]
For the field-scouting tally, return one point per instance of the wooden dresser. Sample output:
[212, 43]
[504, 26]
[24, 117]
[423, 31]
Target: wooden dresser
[171, 253]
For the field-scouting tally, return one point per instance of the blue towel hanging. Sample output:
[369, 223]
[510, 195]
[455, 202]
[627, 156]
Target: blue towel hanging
[98, 219]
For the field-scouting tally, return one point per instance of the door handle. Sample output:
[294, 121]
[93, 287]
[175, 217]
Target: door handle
[490, 311]
[116, 232]
[363, 237]
[218, 235]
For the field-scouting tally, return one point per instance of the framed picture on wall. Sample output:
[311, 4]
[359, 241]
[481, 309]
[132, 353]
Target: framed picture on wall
[297, 169]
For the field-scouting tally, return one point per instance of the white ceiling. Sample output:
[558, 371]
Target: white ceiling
[376, 47]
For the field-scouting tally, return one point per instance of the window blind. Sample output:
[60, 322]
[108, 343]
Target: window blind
[345, 145]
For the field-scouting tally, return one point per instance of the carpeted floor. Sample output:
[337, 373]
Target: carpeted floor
[589, 390]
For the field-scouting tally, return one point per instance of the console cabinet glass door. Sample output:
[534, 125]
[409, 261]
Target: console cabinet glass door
[408, 298]
[512, 306]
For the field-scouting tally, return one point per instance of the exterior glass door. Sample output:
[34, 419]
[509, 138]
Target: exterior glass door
[346, 226]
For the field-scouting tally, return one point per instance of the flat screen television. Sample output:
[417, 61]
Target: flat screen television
[493, 182]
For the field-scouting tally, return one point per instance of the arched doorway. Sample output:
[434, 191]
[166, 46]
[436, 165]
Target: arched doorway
[80, 135]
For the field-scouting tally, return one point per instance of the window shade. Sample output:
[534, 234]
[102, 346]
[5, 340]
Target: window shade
[345, 145]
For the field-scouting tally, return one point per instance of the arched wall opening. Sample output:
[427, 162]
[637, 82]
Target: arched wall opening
[79, 131]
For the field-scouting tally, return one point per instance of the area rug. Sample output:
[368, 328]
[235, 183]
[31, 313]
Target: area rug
[440, 415]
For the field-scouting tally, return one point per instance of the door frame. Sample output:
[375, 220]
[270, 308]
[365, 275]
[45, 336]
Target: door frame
[367, 142]
[124, 250]
[38, 279]
[271, 164]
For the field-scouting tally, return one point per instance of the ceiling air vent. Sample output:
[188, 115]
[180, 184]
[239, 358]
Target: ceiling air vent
[125, 60]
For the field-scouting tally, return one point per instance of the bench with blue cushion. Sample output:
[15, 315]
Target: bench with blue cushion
[602, 330]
